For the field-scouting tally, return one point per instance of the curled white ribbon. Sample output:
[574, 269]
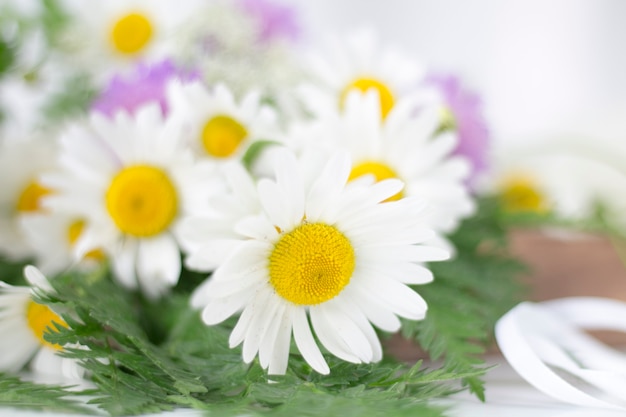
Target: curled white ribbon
[546, 345]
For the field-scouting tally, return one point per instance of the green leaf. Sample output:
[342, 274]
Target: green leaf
[469, 294]
[17, 393]
[254, 150]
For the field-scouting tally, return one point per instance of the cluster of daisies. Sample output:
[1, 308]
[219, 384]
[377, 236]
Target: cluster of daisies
[313, 200]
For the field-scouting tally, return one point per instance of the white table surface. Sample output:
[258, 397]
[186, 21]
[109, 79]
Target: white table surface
[508, 395]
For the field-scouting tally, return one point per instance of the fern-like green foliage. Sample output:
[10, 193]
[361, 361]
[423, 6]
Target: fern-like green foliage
[148, 357]
[17, 393]
[469, 294]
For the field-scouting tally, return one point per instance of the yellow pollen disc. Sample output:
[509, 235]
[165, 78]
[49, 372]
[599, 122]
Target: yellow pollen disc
[142, 200]
[222, 135]
[131, 33]
[447, 121]
[311, 264]
[379, 170]
[74, 232]
[40, 317]
[30, 198]
[365, 84]
[521, 194]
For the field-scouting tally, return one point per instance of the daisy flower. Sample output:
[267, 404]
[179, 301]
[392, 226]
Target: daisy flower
[22, 162]
[52, 237]
[112, 34]
[218, 126]
[131, 179]
[321, 258]
[358, 62]
[569, 179]
[23, 323]
[405, 146]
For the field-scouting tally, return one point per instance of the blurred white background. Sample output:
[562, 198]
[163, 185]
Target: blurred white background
[545, 68]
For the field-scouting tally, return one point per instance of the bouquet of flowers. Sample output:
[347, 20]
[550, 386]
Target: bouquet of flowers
[199, 209]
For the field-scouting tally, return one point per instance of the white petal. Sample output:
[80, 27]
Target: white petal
[306, 343]
[405, 253]
[123, 261]
[377, 313]
[262, 322]
[256, 227]
[218, 310]
[36, 279]
[254, 307]
[158, 264]
[268, 343]
[274, 202]
[405, 272]
[397, 297]
[328, 334]
[289, 180]
[328, 186]
[345, 327]
[354, 313]
[280, 351]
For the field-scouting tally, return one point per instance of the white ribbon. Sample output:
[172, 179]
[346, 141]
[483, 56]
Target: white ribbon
[545, 343]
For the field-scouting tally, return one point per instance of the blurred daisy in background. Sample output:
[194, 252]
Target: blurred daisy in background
[52, 237]
[246, 45]
[358, 62]
[131, 179]
[23, 322]
[323, 251]
[102, 37]
[21, 165]
[568, 179]
[29, 79]
[405, 146]
[219, 127]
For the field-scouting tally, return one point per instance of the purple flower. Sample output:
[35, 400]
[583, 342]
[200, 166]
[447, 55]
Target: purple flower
[275, 20]
[466, 110]
[146, 83]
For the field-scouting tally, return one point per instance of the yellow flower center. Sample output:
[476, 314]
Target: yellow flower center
[40, 317]
[311, 264]
[73, 233]
[30, 198]
[131, 33]
[447, 121]
[364, 84]
[222, 135]
[142, 200]
[521, 194]
[379, 170]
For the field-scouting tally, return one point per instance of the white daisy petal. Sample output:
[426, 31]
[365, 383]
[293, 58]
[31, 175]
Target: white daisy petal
[268, 350]
[375, 311]
[158, 264]
[306, 343]
[259, 329]
[326, 331]
[397, 297]
[274, 202]
[219, 310]
[361, 321]
[132, 201]
[280, 351]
